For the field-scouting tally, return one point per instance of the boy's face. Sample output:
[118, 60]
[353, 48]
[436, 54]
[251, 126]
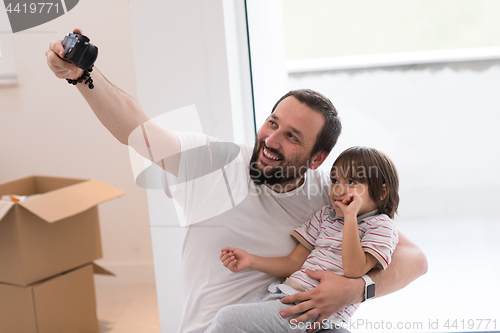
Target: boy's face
[343, 186]
[284, 143]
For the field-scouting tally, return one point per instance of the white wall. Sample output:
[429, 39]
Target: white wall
[47, 128]
[437, 122]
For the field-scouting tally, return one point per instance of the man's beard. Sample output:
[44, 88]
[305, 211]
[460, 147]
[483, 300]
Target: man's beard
[287, 171]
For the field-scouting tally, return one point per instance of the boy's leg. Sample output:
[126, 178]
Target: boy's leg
[260, 317]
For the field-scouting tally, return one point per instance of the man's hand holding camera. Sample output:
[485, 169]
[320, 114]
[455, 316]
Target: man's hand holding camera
[61, 68]
[76, 50]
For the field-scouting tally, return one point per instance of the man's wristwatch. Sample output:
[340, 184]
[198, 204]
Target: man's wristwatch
[369, 287]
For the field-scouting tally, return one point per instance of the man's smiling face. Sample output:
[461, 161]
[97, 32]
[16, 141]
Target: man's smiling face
[282, 151]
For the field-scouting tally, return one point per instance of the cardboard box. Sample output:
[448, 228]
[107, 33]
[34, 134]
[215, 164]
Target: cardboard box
[65, 303]
[53, 232]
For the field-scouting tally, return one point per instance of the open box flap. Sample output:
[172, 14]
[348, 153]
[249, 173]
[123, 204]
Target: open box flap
[101, 270]
[5, 206]
[68, 201]
[95, 268]
[22, 186]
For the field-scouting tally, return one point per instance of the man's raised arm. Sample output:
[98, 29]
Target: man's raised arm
[115, 109]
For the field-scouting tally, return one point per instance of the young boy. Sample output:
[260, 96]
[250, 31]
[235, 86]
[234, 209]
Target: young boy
[349, 237]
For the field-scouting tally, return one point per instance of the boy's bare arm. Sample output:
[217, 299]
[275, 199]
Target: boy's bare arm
[355, 261]
[282, 266]
[237, 260]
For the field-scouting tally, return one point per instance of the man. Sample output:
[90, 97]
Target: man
[282, 189]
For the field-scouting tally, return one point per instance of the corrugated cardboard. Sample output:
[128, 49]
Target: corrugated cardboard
[53, 232]
[65, 303]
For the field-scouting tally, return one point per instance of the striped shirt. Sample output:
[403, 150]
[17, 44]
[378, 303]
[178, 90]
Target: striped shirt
[322, 235]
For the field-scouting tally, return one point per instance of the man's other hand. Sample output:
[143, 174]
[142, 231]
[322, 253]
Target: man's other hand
[333, 294]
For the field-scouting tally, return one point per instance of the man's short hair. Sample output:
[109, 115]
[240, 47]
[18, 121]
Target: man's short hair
[328, 136]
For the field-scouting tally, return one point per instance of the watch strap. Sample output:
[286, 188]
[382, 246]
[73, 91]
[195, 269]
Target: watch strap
[369, 287]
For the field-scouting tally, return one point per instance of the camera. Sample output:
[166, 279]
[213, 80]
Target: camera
[79, 51]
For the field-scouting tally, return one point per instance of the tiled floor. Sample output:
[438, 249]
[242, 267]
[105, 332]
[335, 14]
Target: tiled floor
[127, 309]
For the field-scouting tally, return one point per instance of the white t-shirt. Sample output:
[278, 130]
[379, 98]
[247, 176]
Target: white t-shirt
[225, 208]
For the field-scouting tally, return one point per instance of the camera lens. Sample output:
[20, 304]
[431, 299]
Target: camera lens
[88, 57]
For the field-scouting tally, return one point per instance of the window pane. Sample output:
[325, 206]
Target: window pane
[330, 28]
